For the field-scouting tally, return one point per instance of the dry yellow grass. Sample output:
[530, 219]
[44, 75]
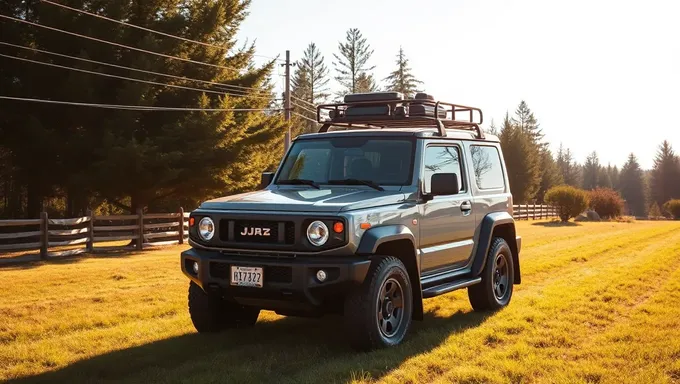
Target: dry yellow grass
[600, 302]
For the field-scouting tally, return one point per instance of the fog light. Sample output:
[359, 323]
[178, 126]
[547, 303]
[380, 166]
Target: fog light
[321, 275]
[195, 267]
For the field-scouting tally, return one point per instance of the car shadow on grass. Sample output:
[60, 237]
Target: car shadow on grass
[287, 350]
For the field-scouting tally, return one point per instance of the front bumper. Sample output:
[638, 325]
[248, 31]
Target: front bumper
[289, 283]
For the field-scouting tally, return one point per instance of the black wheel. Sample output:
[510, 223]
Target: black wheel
[378, 314]
[213, 314]
[495, 290]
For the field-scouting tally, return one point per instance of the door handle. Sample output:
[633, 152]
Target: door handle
[466, 206]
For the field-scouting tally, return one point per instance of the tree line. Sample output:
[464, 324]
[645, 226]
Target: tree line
[533, 169]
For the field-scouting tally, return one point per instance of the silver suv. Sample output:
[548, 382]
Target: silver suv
[394, 201]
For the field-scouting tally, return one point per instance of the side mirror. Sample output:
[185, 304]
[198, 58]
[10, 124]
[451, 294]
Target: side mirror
[266, 179]
[443, 184]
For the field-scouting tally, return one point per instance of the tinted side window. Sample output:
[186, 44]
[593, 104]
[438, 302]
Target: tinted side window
[442, 160]
[486, 162]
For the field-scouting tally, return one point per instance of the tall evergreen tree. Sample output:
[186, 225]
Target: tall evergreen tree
[632, 186]
[591, 171]
[603, 178]
[550, 174]
[352, 62]
[568, 167]
[522, 161]
[134, 158]
[665, 178]
[525, 120]
[613, 173]
[401, 79]
[316, 75]
[366, 83]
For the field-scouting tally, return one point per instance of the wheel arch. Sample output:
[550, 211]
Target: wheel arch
[397, 241]
[497, 224]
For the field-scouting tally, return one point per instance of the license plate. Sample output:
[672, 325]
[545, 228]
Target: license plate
[246, 276]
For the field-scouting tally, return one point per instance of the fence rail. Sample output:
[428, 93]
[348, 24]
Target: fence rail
[47, 235]
[534, 211]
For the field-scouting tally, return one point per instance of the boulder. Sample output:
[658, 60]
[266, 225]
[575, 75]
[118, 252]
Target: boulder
[593, 216]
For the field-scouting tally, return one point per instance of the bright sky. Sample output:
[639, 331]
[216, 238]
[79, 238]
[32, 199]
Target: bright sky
[599, 75]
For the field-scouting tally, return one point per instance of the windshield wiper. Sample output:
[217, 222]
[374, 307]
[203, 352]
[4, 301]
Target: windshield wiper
[356, 182]
[311, 183]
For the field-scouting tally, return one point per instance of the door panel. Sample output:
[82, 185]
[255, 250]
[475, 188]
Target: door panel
[447, 222]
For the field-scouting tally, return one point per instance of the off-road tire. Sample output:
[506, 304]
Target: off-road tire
[486, 295]
[365, 327]
[213, 314]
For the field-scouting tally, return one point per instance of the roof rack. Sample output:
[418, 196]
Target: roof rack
[392, 110]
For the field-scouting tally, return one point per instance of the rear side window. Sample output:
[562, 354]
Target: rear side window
[486, 162]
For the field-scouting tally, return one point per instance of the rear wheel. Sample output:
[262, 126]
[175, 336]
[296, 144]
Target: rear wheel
[213, 314]
[378, 314]
[495, 290]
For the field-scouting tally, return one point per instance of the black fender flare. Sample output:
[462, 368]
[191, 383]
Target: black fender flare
[374, 237]
[486, 229]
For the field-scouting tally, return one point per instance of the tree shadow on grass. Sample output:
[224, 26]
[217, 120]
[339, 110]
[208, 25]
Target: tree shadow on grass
[556, 223]
[34, 261]
[288, 350]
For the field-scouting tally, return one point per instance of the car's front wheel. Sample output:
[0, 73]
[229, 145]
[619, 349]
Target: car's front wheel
[378, 314]
[210, 313]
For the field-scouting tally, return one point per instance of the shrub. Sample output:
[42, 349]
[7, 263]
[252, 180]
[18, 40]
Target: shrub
[569, 201]
[606, 202]
[673, 207]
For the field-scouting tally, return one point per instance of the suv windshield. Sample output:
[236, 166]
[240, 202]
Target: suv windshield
[383, 161]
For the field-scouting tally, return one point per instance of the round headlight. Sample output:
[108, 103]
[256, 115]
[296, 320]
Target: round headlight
[206, 228]
[317, 233]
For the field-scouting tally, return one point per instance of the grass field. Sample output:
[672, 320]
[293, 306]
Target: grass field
[599, 302]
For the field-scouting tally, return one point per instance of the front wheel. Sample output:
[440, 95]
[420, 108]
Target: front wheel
[378, 314]
[495, 290]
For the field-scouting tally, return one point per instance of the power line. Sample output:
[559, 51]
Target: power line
[305, 117]
[304, 108]
[304, 101]
[117, 44]
[131, 79]
[218, 85]
[139, 107]
[145, 29]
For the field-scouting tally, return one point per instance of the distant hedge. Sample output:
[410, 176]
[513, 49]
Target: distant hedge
[673, 207]
[569, 201]
[606, 202]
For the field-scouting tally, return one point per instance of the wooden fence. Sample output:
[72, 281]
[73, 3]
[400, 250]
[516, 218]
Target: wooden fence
[50, 236]
[534, 211]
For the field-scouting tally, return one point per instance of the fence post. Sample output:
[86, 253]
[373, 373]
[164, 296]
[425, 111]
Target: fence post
[140, 231]
[533, 211]
[181, 225]
[44, 234]
[90, 240]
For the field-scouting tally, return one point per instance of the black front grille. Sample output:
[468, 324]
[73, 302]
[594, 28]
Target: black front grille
[290, 232]
[219, 270]
[277, 274]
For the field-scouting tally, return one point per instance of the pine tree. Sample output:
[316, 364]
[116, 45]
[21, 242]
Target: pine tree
[603, 179]
[550, 174]
[525, 120]
[613, 173]
[521, 160]
[665, 177]
[315, 80]
[365, 84]
[136, 159]
[632, 186]
[352, 62]
[591, 171]
[401, 79]
[568, 167]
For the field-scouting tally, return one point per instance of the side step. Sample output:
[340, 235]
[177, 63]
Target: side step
[449, 287]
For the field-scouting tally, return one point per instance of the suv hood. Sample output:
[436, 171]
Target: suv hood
[331, 200]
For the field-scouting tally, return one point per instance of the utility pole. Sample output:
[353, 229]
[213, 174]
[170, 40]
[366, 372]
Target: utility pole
[286, 101]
